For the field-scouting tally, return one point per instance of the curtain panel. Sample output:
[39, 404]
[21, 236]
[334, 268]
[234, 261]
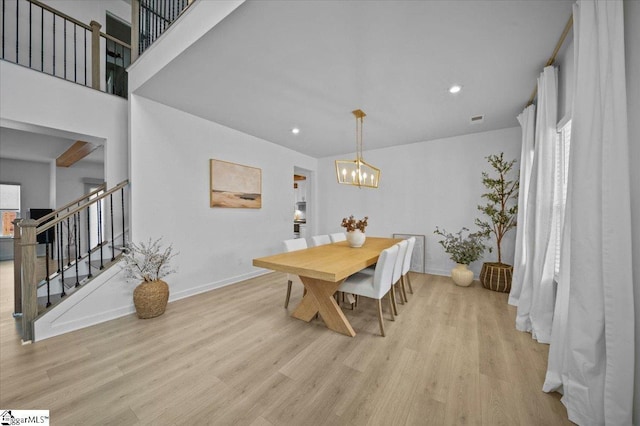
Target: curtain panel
[537, 293]
[591, 359]
[527, 122]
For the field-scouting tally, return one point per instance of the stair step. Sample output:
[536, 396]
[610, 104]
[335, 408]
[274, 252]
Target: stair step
[71, 281]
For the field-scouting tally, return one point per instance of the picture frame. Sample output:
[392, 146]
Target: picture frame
[234, 185]
[419, 252]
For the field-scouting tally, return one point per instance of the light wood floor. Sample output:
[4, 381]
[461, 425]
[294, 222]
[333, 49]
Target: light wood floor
[234, 356]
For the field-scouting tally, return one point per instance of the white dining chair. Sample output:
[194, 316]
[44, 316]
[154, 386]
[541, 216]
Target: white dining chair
[293, 245]
[320, 240]
[337, 237]
[375, 286]
[407, 265]
[397, 273]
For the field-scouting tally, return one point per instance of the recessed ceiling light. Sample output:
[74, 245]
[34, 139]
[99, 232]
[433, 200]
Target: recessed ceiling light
[295, 130]
[455, 89]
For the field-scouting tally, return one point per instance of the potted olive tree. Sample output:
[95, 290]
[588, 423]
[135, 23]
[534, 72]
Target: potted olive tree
[501, 212]
[462, 250]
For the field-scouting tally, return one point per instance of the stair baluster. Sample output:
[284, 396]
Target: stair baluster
[75, 229]
[27, 297]
[89, 241]
[124, 241]
[113, 240]
[59, 245]
[46, 258]
[68, 241]
[100, 239]
[78, 236]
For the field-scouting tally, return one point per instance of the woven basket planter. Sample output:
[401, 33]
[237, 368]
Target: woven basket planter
[496, 276]
[150, 298]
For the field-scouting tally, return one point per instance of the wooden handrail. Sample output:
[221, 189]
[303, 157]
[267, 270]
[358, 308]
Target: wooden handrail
[70, 213]
[27, 294]
[115, 40]
[60, 14]
[79, 23]
[43, 219]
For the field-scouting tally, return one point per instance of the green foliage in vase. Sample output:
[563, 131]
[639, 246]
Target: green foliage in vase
[462, 249]
[501, 208]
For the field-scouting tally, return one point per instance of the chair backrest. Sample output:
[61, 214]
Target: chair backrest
[320, 240]
[407, 257]
[397, 269]
[295, 244]
[340, 236]
[382, 277]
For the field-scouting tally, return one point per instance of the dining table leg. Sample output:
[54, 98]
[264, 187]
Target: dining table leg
[319, 299]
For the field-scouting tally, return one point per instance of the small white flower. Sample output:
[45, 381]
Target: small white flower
[148, 262]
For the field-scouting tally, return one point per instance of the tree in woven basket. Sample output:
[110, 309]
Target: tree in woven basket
[149, 262]
[501, 208]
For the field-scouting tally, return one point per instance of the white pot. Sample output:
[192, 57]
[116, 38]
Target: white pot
[462, 275]
[356, 238]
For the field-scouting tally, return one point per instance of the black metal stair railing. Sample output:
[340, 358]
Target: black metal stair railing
[155, 16]
[76, 256]
[40, 37]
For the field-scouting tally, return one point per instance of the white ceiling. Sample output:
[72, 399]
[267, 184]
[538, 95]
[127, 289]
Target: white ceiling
[29, 146]
[274, 65]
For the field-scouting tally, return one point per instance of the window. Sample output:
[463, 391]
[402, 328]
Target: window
[9, 207]
[563, 141]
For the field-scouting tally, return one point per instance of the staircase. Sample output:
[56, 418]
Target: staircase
[83, 239]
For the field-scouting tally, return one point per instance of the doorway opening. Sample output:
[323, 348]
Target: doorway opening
[302, 196]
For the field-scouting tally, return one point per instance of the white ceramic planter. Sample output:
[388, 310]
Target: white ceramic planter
[356, 238]
[462, 275]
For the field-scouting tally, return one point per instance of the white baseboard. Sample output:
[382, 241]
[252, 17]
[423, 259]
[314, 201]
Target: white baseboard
[216, 284]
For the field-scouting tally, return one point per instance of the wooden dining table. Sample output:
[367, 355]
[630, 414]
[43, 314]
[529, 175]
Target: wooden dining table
[322, 269]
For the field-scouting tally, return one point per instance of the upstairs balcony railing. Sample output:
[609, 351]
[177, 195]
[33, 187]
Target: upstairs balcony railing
[154, 17]
[40, 37]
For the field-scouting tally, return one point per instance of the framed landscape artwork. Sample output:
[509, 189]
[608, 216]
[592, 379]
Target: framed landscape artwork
[418, 256]
[234, 185]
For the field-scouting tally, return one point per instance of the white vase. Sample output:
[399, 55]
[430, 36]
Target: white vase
[356, 238]
[462, 275]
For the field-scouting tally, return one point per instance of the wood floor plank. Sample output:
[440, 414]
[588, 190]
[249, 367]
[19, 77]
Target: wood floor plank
[235, 356]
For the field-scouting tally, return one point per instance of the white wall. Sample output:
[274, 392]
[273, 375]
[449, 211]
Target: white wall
[423, 185]
[32, 100]
[196, 20]
[33, 178]
[170, 152]
[632, 45]
[92, 10]
[70, 181]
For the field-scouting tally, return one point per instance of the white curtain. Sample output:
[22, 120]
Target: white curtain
[591, 358]
[537, 292]
[527, 122]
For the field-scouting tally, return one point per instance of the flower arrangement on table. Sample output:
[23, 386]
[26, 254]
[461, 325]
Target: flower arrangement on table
[355, 230]
[351, 224]
[461, 249]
